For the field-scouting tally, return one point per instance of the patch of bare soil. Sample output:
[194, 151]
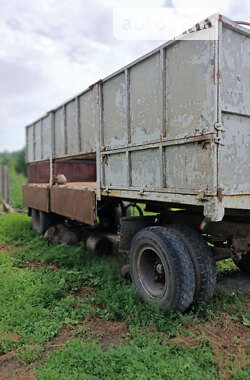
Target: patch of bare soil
[65, 335]
[5, 248]
[84, 292]
[108, 333]
[11, 369]
[36, 265]
[228, 341]
[31, 265]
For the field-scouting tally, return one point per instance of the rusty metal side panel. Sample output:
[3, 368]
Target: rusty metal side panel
[38, 172]
[75, 203]
[36, 196]
[76, 170]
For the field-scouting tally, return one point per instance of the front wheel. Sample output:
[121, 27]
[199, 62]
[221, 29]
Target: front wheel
[161, 268]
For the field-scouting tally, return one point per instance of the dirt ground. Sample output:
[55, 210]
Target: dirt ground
[106, 332]
[228, 339]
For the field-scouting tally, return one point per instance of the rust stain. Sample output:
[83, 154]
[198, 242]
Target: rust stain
[220, 194]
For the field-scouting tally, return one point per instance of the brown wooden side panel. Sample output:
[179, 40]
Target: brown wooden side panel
[77, 204]
[36, 196]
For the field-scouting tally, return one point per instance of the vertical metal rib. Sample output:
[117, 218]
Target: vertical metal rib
[77, 105]
[34, 142]
[128, 124]
[52, 149]
[65, 130]
[41, 137]
[163, 73]
[163, 90]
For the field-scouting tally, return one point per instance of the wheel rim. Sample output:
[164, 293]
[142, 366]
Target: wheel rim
[152, 272]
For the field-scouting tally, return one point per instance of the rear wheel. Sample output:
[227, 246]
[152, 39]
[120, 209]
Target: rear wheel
[243, 263]
[161, 268]
[202, 258]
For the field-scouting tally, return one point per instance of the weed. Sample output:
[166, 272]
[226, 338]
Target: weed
[143, 358]
[30, 353]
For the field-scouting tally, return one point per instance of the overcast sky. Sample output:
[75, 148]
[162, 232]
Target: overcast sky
[52, 49]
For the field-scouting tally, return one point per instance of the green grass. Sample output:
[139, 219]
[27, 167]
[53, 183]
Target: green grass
[16, 182]
[36, 303]
[146, 357]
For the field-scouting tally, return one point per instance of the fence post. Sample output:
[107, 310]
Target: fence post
[4, 183]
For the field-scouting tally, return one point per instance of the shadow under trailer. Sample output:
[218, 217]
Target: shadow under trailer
[171, 130]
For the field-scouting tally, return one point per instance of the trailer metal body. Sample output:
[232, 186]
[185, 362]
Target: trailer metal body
[171, 130]
[172, 127]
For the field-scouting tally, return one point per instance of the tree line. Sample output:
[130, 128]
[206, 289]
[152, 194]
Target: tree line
[14, 160]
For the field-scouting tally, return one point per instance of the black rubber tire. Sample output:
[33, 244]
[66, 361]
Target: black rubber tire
[244, 263]
[41, 221]
[202, 258]
[179, 288]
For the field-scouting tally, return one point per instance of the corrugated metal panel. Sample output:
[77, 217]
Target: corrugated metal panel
[190, 87]
[190, 168]
[72, 128]
[146, 116]
[235, 94]
[59, 132]
[114, 111]
[145, 100]
[46, 137]
[30, 144]
[116, 170]
[37, 140]
[234, 155]
[88, 128]
[145, 168]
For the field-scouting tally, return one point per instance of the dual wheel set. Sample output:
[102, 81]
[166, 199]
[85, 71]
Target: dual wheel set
[172, 266]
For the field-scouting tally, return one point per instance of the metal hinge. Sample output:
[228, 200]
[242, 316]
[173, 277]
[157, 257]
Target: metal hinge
[219, 138]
